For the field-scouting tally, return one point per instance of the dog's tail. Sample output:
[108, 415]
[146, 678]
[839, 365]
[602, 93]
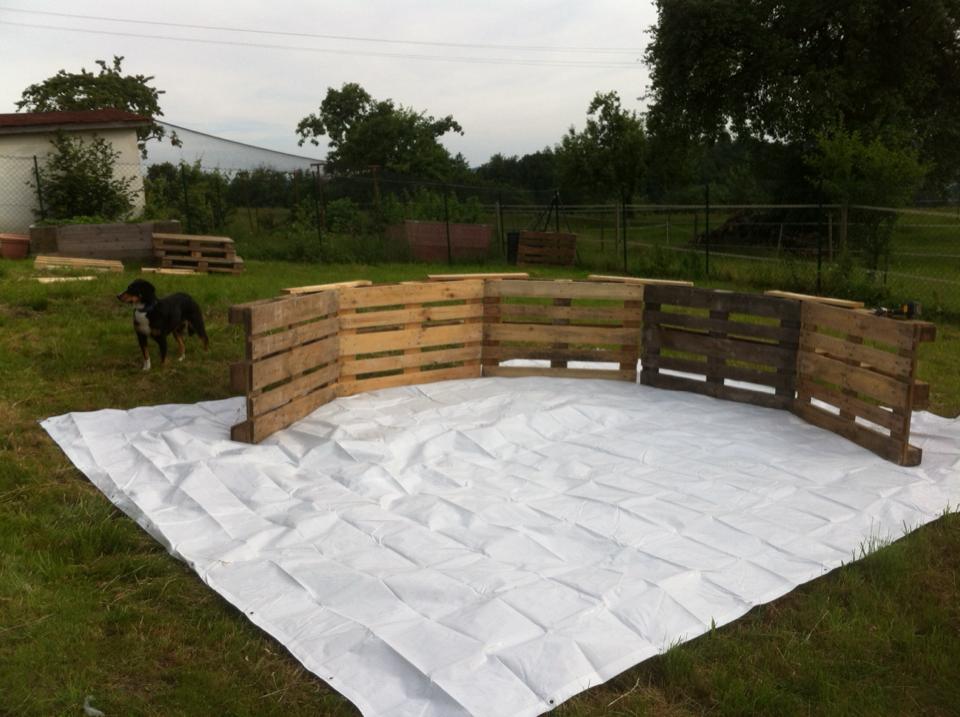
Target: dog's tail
[195, 325]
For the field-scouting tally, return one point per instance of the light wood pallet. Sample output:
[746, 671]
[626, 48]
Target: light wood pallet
[197, 252]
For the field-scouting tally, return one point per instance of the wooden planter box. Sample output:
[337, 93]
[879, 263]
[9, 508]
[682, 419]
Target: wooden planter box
[100, 241]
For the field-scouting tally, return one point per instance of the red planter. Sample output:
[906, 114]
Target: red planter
[14, 246]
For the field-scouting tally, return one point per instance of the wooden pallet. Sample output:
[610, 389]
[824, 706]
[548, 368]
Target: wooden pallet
[547, 248]
[562, 321]
[67, 262]
[857, 377]
[702, 340]
[198, 253]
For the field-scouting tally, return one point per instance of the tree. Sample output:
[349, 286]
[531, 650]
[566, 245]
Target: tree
[606, 159]
[785, 72]
[78, 180]
[363, 132]
[108, 89]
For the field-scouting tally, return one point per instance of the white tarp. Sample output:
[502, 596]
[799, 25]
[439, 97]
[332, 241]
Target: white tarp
[495, 546]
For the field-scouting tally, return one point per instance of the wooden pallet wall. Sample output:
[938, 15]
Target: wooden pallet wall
[719, 341]
[562, 321]
[291, 366]
[550, 248]
[404, 334]
[857, 377]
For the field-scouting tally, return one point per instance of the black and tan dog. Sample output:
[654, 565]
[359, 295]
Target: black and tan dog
[161, 317]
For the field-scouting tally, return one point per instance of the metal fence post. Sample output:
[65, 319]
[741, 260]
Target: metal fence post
[186, 198]
[623, 225]
[36, 174]
[706, 227]
[316, 204]
[502, 236]
[820, 242]
[446, 221]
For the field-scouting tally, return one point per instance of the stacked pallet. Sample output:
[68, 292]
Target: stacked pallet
[549, 248]
[197, 253]
[50, 261]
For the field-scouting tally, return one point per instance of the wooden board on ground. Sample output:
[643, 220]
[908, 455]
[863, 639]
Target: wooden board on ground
[48, 261]
[738, 347]
[830, 301]
[169, 272]
[59, 279]
[638, 280]
[314, 288]
[491, 275]
[857, 377]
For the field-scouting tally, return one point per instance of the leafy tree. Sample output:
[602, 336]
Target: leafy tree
[534, 172]
[606, 159]
[788, 71]
[107, 89]
[362, 132]
[78, 180]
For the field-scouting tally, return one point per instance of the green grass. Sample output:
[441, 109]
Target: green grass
[89, 604]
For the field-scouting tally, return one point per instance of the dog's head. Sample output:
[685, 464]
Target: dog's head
[140, 293]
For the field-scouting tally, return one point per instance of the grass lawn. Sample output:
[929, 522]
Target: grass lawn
[89, 604]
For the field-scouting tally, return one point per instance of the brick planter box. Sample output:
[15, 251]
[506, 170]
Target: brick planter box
[100, 241]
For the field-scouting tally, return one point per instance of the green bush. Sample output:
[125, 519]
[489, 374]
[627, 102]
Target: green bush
[79, 180]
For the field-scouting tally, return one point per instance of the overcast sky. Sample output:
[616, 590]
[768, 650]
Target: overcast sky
[258, 94]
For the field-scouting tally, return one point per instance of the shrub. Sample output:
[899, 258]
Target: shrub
[79, 180]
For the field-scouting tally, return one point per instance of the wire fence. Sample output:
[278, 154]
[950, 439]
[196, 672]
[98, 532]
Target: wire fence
[876, 254]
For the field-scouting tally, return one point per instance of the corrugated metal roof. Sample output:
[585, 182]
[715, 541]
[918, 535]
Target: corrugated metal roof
[78, 117]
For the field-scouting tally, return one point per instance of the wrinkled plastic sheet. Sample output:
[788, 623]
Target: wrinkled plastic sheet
[495, 546]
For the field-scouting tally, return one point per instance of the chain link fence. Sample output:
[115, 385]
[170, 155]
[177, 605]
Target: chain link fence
[880, 255]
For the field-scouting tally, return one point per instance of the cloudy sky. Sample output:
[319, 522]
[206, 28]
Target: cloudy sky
[516, 75]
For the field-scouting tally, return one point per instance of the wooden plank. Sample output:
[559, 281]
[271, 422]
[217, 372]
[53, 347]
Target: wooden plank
[60, 279]
[302, 385]
[314, 288]
[722, 371]
[714, 390]
[169, 272]
[396, 317]
[841, 303]
[728, 301]
[285, 416]
[46, 261]
[292, 363]
[351, 387]
[412, 338]
[884, 361]
[261, 316]
[884, 389]
[727, 348]
[497, 353]
[638, 280]
[726, 326]
[490, 275]
[542, 313]
[547, 333]
[866, 325]
[353, 367]
[849, 404]
[198, 238]
[872, 440]
[565, 290]
[522, 371]
[266, 344]
[402, 294]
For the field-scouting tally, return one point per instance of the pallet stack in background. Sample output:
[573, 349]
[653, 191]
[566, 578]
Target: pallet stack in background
[196, 253]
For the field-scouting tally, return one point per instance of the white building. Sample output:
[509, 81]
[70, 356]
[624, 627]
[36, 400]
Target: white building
[25, 138]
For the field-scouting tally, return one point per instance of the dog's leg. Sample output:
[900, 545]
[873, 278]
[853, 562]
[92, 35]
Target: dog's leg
[142, 340]
[181, 346]
[162, 343]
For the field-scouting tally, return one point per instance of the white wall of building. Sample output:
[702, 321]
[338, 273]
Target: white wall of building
[18, 196]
